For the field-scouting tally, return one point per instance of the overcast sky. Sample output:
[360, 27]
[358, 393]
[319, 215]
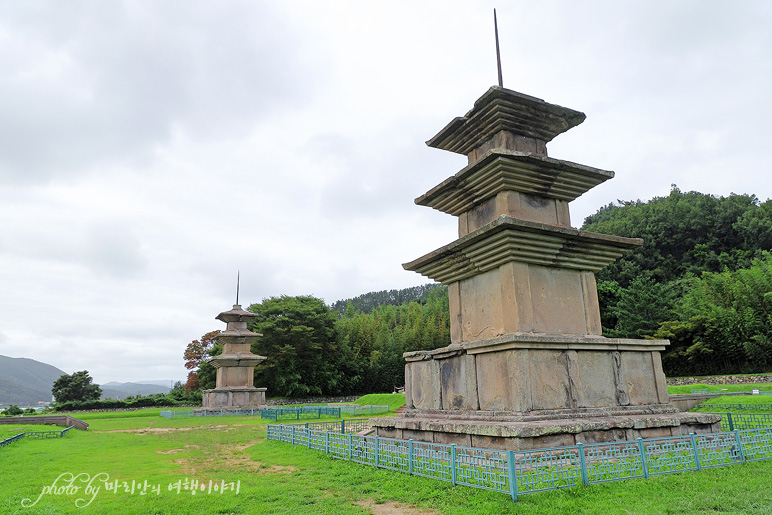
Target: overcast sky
[149, 150]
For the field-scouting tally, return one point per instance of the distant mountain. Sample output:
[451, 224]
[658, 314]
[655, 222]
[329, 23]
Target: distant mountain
[161, 382]
[114, 390]
[24, 381]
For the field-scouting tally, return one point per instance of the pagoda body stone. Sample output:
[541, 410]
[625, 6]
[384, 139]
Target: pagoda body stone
[527, 366]
[234, 387]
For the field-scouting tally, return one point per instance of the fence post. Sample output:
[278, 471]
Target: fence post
[308, 436]
[739, 446]
[453, 464]
[694, 448]
[512, 470]
[350, 445]
[343, 427]
[327, 442]
[731, 424]
[410, 457]
[642, 452]
[582, 463]
[293, 436]
[377, 451]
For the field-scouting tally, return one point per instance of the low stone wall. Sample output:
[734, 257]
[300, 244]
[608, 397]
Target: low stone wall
[58, 420]
[717, 380]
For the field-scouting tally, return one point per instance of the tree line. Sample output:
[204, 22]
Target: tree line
[702, 279]
[314, 350]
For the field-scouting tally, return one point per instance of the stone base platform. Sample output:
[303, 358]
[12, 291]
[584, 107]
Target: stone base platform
[520, 431]
[234, 397]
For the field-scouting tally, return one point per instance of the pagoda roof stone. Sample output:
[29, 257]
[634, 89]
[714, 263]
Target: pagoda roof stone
[510, 239]
[503, 109]
[236, 314]
[507, 170]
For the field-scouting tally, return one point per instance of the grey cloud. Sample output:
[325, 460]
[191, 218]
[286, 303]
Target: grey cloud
[115, 83]
[113, 250]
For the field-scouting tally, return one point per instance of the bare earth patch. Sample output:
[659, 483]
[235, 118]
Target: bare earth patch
[145, 430]
[183, 449]
[231, 457]
[391, 508]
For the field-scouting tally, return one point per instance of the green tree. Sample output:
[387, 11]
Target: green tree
[375, 341]
[643, 306]
[196, 354]
[75, 387]
[12, 411]
[684, 233]
[724, 323]
[299, 342]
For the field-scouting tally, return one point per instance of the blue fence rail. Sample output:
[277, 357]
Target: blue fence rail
[732, 421]
[301, 412]
[724, 407]
[342, 426]
[35, 435]
[364, 410]
[521, 472]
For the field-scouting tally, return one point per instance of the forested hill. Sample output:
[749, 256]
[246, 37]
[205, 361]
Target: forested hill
[685, 233]
[702, 279]
[367, 302]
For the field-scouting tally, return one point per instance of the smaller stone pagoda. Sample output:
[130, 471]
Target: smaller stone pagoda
[236, 365]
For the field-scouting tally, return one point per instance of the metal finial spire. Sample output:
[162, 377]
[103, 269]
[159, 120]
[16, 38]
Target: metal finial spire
[238, 281]
[498, 54]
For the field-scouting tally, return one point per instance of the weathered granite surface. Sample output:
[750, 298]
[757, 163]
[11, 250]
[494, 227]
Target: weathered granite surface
[533, 433]
[526, 373]
[502, 117]
[527, 366]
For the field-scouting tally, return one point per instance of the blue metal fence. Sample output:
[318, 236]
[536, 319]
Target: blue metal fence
[364, 410]
[35, 435]
[732, 421]
[9, 441]
[723, 407]
[520, 472]
[342, 426]
[301, 412]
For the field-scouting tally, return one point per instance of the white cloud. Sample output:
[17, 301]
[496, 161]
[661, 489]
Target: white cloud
[149, 150]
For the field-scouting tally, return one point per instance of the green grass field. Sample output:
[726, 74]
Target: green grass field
[721, 388]
[146, 449]
[394, 400]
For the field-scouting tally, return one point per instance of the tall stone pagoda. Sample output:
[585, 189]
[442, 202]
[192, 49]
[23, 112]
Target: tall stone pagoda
[527, 366]
[236, 365]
